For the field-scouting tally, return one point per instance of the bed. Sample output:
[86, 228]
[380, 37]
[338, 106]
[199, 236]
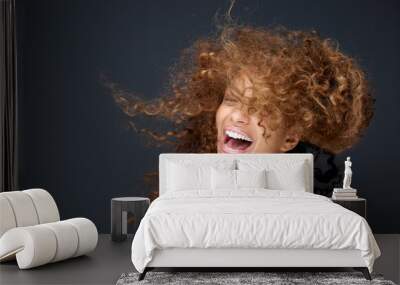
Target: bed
[245, 211]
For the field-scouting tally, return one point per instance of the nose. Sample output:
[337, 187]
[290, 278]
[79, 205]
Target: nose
[240, 115]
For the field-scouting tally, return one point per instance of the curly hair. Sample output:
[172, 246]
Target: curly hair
[299, 80]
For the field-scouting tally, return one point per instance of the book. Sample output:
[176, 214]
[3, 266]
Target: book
[341, 190]
[345, 194]
[344, 197]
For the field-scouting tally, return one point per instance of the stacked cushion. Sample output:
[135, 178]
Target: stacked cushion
[31, 231]
[26, 208]
[37, 245]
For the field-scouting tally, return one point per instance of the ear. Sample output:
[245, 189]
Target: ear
[291, 140]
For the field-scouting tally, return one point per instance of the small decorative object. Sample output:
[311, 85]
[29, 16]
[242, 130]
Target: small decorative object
[126, 214]
[347, 192]
[347, 174]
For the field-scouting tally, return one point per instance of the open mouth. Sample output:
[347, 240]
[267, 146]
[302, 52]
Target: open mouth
[236, 141]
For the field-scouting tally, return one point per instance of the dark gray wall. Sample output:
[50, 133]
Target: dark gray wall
[74, 141]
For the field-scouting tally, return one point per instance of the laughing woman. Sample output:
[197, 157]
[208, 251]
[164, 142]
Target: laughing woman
[260, 90]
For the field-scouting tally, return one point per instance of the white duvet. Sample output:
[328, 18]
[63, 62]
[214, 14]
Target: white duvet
[252, 218]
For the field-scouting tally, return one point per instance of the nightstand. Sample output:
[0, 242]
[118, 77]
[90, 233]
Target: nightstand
[357, 205]
[126, 214]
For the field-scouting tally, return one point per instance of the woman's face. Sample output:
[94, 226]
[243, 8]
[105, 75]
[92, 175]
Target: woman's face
[239, 132]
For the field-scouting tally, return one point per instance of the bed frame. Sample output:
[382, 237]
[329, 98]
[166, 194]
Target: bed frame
[248, 259]
[242, 259]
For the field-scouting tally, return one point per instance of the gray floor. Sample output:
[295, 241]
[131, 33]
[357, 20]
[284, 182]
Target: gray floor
[110, 260]
[103, 266]
[389, 262]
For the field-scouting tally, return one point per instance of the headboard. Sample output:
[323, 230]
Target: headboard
[210, 158]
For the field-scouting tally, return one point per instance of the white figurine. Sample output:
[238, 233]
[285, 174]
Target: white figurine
[347, 174]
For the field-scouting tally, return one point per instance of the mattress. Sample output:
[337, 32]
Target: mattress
[251, 219]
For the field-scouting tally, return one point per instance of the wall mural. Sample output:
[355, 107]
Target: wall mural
[248, 89]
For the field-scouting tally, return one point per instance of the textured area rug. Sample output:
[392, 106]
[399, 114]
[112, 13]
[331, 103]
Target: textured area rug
[231, 278]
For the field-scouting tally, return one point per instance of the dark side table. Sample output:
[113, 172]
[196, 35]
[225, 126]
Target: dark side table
[357, 205]
[126, 214]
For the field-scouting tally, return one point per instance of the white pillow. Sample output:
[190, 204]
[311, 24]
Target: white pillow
[223, 179]
[193, 174]
[281, 174]
[187, 177]
[251, 178]
[292, 178]
[228, 179]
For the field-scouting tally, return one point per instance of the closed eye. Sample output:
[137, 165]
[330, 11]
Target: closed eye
[230, 99]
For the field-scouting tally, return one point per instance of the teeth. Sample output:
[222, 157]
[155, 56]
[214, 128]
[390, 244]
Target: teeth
[235, 135]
